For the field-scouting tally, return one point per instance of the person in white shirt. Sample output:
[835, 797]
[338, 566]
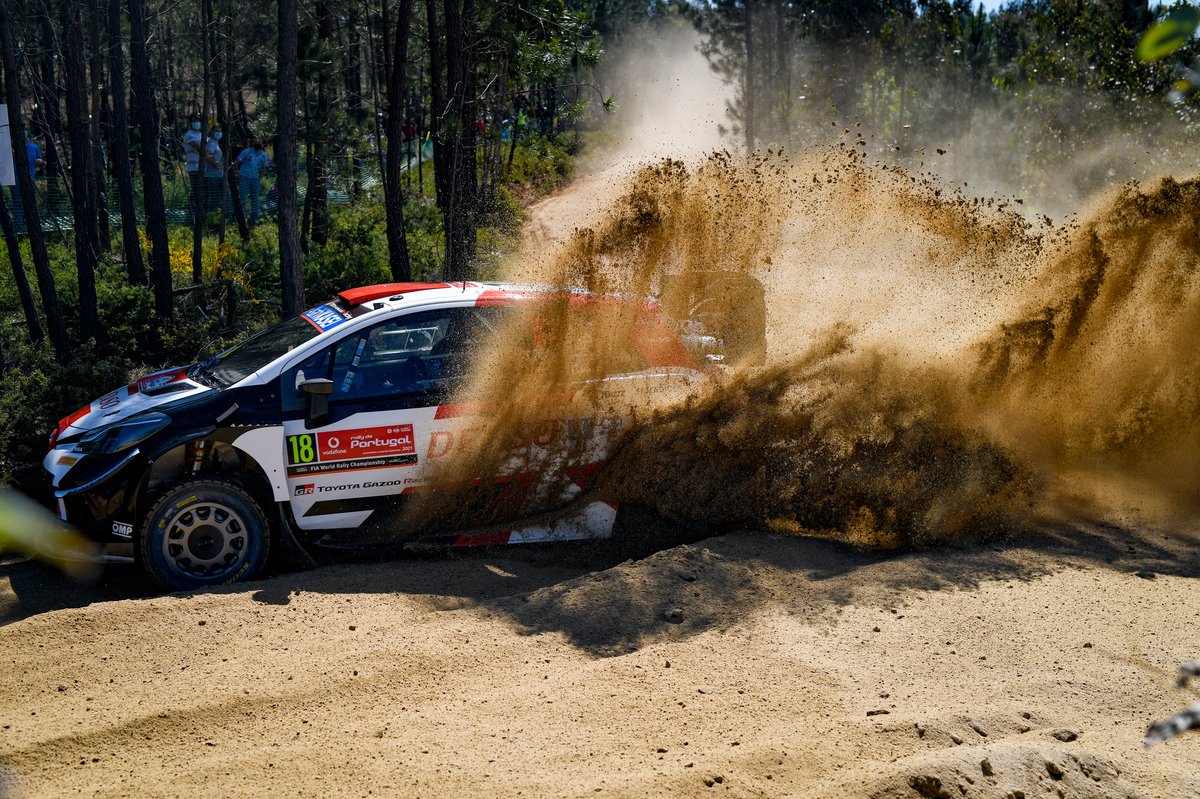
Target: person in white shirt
[214, 172]
[191, 154]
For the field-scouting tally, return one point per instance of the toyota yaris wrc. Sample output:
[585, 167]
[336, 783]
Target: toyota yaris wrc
[319, 431]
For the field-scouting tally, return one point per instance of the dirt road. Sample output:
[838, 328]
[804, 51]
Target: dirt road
[793, 667]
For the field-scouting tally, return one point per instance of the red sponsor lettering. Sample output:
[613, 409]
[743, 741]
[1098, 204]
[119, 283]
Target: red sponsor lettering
[366, 442]
[110, 400]
[443, 442]
[455, 410]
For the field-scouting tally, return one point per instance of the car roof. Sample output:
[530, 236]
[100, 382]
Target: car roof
[393, 294]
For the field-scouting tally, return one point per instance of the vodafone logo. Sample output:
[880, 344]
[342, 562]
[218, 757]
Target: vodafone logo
[334, 442]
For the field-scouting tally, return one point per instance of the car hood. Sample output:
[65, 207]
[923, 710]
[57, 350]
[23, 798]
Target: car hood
[152, 391]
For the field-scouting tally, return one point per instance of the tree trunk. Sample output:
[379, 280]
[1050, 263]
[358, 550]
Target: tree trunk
[19, 276]
[199, 200]
[437, 95]
[99, 115]
[393, 196]
[119, 137]
[317, 197]
[87, 243]
[33, 222]
[49, 104]
[291, 276]
[459, 214]
[215, 76]
[147, 122]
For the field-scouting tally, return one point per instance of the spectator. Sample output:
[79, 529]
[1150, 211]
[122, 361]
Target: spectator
[408, 135]
[191, 153]
[34, 155]
[252, 161]
[214, 173]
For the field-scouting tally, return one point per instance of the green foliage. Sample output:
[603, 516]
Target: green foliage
[540, 165]
[355, 255]
[1169, 34]
[36, 391]
[426, 240]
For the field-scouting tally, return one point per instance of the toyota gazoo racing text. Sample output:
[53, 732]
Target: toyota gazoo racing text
[317, 432]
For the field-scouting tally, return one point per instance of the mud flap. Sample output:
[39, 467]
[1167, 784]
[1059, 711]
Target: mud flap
[290, 546]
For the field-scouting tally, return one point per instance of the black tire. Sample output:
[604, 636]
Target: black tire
[205, 531]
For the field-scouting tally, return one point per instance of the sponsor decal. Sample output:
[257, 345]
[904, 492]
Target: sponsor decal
[358, 448]
[366, 442]
[158, 380]
[303, 489]
[358, 486]
[110, 400]
[543, 434]
[324, 317]
[122, 529]
[67, 460]
[299, 470]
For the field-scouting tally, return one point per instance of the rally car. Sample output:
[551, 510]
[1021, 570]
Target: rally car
[319, 431]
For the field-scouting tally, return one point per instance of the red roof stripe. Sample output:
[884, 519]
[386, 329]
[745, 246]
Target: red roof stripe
[367, 293]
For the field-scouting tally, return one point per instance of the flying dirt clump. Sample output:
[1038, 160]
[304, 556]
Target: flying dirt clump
[840, 444]
[1099, 374]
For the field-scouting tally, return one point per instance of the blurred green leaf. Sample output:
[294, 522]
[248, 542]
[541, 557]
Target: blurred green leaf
[27, 527]
[1169, 34]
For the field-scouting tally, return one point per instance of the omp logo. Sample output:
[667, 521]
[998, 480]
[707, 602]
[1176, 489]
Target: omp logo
[301, 490]
[122, 529]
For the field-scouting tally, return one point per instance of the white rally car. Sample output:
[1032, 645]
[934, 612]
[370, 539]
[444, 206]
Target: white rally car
[318, 431]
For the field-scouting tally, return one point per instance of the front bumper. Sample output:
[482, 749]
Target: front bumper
[99, 497]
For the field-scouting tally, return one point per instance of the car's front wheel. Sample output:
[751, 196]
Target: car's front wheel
[206, 531]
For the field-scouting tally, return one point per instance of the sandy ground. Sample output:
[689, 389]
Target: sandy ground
[794, 667]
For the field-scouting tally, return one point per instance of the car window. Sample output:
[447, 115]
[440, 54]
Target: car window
[426, 353]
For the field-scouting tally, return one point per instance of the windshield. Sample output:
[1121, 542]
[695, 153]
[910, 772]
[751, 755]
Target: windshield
[242, 360]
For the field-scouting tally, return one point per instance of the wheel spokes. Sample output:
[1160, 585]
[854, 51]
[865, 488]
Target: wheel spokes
[216, 530]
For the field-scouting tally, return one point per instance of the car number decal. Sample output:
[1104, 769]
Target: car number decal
[324, 317]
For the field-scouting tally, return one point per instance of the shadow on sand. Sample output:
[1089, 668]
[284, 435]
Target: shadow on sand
[607, 604]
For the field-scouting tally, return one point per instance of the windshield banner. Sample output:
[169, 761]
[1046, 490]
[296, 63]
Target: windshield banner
[324, 317]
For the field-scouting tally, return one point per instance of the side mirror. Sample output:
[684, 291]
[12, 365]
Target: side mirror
[318, 390]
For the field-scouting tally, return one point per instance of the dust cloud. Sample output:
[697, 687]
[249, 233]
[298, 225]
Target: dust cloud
[668, 102]
[938, 367]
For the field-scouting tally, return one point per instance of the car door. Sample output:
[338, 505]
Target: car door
[351, 471]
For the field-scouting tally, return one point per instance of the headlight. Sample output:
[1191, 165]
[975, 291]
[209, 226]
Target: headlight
[122, 435]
